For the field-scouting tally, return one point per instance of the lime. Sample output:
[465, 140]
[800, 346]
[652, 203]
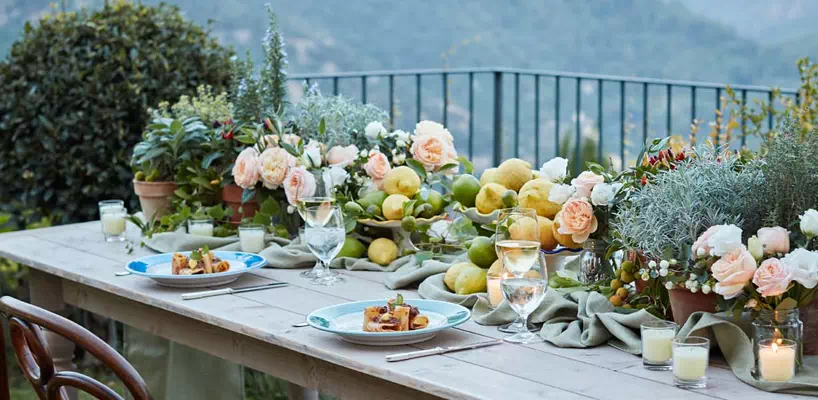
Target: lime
[408, 223]
[470, 280]
[464, 189]
[375, 197]
[353, 209]
[353, 248]
[509, 198]
[373, 210]
[628, 266]
[435, 200]
[139, 176]
[481, 252]
[451, 274]
[382, 251]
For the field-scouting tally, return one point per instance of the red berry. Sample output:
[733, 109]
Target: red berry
[680, 156]
[644, 180]
[227, 135]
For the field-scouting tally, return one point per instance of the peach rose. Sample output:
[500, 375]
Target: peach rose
[430, 150]
[340, 156]
[377, 167]
[290, 139]
[701, 242]
[431, 128]
[275, 164]
[733, 271]
[585, 183]
[247, 168]
[267, 141]
[577, 219]
[772, 277]
[774, 240]
[298, 184]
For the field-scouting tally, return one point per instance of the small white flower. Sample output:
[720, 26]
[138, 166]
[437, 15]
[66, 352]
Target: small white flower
[399, 159]
[400, 143]
[643, 271]
[694, 289]
[364, 153]
[663, 272]
[652, 264]
[664, 264]
[290, 209]
[668, 285]
[554, 170]
[335, 176]
[374, 129]
[561, 193]
[673, 261]
[692, 277]
[700, 252]
[645, 277]
[706, 289]
[401, 136]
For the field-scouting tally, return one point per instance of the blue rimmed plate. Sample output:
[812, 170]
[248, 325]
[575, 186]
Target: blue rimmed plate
[158, 268]
[346, 320]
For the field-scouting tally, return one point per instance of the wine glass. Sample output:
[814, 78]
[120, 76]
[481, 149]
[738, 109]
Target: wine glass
[524, 293]
[517, 242]
[321, 202]
[326, 241]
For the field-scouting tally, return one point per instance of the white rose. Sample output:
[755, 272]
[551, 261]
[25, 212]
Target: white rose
[561, 193]
[804, 266]
[809, 223]
[335, 176]
[401, 136]
[312, 154]
[603, 194]
[374, 129]
[726, 239]
[554, 170]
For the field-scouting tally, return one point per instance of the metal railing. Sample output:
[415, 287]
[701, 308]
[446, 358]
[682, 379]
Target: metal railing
[437, 92]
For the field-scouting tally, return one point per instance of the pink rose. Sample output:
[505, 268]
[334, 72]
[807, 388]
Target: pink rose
[733, 271]
[275, 164]
[377, 166]
[247, 168]
[298, 184]
[577, 219]
[701, 242]
[775, 240]
[430, 150]
[340, 156]
[585, 183]
[772, 278]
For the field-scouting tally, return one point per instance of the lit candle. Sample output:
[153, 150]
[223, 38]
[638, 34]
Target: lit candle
[656, 347]
[251, 238]
[200, 227]
[776, 359]
[494, 290]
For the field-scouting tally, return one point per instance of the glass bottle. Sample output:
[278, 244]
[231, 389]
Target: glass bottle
[593, 265]
[781, 324]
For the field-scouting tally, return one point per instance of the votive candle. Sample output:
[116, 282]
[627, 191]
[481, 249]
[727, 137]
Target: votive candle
[657, 349]
[495, 291]
[690, 358]
[112, 215]
[776, 359]
[252, 238]
[200, 227]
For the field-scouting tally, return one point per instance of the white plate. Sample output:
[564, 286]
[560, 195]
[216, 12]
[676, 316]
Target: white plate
[158, 268]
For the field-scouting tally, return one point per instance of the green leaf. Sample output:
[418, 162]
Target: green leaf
[262, 218]
[468, 167]
[245, 139]
[417, 167]
[398, 300]
[422, 256]
[208, 160]
[290, 149]
[247, 195]
[322, 127]
[216, 212]
[408, 207]
[201, 182]
[787, 304]
[350, 223]
[175, 126]
[179, 193]
[447, 167]
[270, 207]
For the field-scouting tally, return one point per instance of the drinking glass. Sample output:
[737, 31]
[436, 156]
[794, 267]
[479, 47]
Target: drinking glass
[524, 293]
[517, 242]
[314, 210]
[326, 241]
[112, 214]
[690, 358]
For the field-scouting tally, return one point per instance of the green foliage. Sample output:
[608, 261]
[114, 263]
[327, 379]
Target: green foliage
[167, 143]
[274, 74]
[75, 88]
[206, 105]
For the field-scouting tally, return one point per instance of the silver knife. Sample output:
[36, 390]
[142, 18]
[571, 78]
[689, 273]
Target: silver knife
[219, 292]
[440, 350]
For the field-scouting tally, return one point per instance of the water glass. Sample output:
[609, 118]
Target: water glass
[325, 241]
[200, 226]
[251, 237]
[690, 358]
[517, 235]
[524, 293]
[657, 348]
[112, 214]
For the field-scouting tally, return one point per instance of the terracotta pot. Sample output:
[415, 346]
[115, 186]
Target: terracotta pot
[231, 196]
[809, 316]
[683, 303]
[154, 197]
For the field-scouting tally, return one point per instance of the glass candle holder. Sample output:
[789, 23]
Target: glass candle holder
[113, 221]
[200, 227]
[776, 359]
[657, 349]
[690, 359]
[779, 324]
[251, 237]
[495, 291]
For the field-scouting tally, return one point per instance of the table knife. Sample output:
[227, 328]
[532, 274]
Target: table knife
[440, 350]
[219, 292]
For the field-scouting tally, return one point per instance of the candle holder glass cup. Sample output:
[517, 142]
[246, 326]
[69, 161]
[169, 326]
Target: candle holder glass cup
[779, 324]
[690, 358]
[657, 348]
[251, 238]
[200, 226]
[112, 214]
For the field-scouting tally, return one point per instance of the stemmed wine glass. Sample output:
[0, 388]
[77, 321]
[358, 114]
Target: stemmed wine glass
[524, 293]
[325, 241]
[321, 201]
[517, 242]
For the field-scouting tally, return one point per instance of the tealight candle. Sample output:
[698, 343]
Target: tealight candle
[657, 350]
[112, 214]
[495, 291]
[252, 238]
[776, 359]
[200, 227]
[690, 358]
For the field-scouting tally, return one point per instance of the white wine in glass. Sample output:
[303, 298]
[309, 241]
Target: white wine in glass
[524, 293]
[315, 210]
[519, 255]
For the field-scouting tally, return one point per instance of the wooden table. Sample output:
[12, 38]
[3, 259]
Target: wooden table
[72, 265]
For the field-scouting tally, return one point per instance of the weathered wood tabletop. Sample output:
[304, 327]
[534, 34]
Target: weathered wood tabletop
[73, 265]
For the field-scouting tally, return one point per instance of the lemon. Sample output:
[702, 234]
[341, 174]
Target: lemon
[375, 197]
[564, 240]
[481, 252]
[353, 248]
[514, 173]
[465, 188]
[524, 228]
[452, 273]
[489, 176]
[435, 200]
[393, 206]
[534, 194]
[382, 251]
[490, 198]
[496, 267]
[509, 198]
[401, 180]
[547, 239]
[470, 280]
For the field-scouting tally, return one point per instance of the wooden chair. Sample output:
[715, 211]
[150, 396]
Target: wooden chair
[26, 323]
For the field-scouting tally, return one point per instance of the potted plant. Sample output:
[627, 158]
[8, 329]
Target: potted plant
[166, 143]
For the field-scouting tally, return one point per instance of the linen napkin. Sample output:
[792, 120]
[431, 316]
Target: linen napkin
[738, 350]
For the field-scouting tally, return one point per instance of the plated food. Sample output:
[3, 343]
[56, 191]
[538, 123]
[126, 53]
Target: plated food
[395, 316]
[201, 261]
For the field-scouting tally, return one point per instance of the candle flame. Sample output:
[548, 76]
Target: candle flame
[775, 348]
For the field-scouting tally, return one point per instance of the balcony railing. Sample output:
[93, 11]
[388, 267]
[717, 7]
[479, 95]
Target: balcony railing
[549, 113]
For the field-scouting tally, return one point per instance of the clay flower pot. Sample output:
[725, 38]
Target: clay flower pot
[231, 196]
[809, 316]
[154, 197]
[683, 303]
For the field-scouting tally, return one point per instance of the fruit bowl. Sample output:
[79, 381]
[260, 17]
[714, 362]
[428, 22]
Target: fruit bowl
[395, 224]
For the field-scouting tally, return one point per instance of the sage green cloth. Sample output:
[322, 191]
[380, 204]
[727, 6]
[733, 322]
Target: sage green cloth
[577, 319]
[738, 350]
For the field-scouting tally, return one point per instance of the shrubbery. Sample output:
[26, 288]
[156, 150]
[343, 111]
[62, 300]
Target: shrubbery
[75, 90]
